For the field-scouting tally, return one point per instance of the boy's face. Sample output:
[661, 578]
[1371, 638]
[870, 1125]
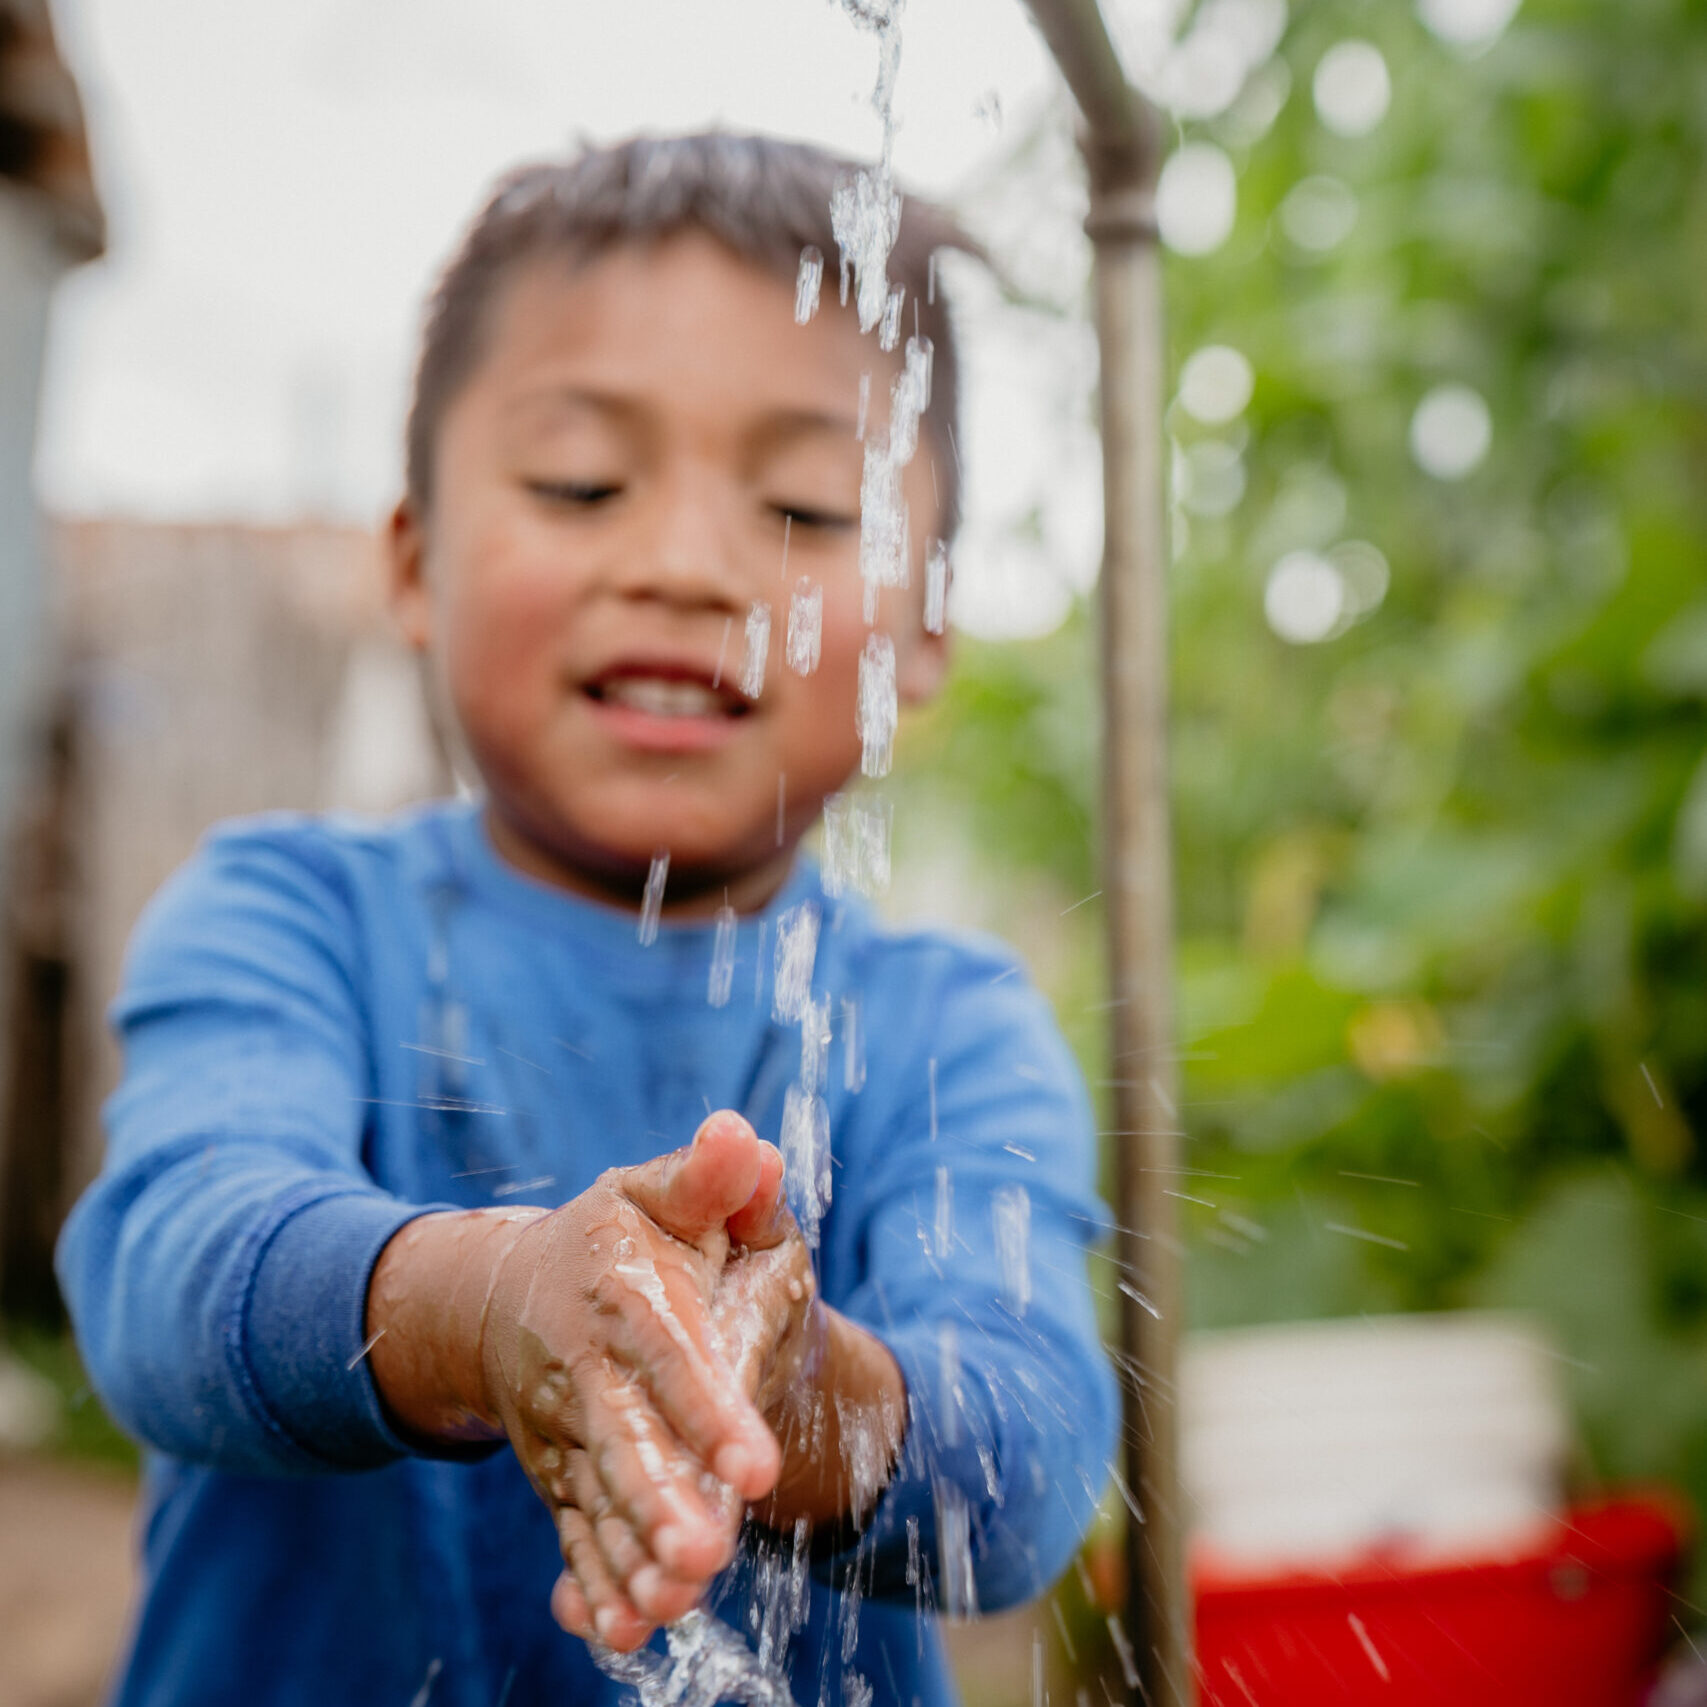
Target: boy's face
[612, 490]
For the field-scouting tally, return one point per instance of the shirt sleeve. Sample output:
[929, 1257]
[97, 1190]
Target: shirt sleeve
[975, 1205]
[217, 1270]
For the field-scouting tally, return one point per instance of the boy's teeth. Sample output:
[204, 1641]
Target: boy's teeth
[663, 698]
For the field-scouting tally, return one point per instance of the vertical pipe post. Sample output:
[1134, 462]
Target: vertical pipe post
[1121, 145]
[1138, 897]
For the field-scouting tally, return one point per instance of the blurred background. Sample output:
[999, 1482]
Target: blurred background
[1437, 369]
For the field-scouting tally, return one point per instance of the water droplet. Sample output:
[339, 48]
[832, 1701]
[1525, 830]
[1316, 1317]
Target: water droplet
[808, 283]
[856, 845]
[758, 650]
[879, 706]
[1010, 1215]
[805, 628]
[882, 524]
[957, 1584]
[806, 1158]
[943, 1223]
[1123, 1647]
[722, 979]
[936, 586]
[865, 214]
[853, 1046]
[652, 900]
[815, 1044]
[889, 333]
[796, 952]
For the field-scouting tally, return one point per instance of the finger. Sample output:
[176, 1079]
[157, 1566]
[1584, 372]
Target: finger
[667, 1514]
[615, 1620]
[661, 1333]
[569, 1607]
[694, 1191]
[764, 1219]
[651, 1590]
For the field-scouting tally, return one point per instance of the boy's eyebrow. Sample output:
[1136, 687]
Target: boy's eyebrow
[785, 424]
[549, 398]
[776, 426]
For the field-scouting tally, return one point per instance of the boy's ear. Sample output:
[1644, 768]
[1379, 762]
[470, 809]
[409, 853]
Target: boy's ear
[921, 667]
[406, 573]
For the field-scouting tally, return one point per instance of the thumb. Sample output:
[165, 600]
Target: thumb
[694, 1191]
[765, 1219]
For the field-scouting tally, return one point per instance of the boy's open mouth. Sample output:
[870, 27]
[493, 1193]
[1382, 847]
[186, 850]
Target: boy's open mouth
[666, 706]
[666, 696]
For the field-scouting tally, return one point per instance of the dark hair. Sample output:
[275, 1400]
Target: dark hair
[766, 199]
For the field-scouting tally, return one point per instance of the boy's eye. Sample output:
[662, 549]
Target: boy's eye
[807, 516]
[574, 494]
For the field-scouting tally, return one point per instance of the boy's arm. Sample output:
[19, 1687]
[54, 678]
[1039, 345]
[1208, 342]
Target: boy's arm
[964, 1207]
[217, 1268]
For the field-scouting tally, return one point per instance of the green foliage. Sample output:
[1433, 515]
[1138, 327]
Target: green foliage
[1442, 878]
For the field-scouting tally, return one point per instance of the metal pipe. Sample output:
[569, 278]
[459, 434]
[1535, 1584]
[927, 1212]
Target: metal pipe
[1121, 145]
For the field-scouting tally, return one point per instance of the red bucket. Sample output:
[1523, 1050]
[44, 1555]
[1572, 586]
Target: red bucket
[1579, 1619]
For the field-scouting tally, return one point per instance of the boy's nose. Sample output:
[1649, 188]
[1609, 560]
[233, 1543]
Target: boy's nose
[690, 553]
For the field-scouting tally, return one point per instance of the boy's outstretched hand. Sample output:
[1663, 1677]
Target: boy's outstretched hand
[585, 1335]
[645, 1349]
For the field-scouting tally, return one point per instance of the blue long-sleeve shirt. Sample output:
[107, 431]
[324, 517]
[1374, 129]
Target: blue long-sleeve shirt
[330, 1027]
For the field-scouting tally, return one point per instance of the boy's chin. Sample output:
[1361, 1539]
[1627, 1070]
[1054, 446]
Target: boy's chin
[615, 851]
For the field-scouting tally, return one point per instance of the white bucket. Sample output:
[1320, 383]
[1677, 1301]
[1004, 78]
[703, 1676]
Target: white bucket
[1310, 1443]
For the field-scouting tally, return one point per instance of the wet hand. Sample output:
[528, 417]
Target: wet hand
[766, 1314]
[603, 1363]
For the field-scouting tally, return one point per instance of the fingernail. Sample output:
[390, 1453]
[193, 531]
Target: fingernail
[644, 1585]
[604, 1621]
[731, 1462]
[668, 1544]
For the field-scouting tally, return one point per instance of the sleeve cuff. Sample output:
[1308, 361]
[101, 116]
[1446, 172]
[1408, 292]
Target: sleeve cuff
[298, 1340]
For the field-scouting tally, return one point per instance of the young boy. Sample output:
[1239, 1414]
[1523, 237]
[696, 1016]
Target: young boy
[353, 1052]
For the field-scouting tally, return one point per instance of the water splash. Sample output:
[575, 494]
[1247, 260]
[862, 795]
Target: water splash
[815, 1045]
[856, 845]
[958, 1585]
[707, 1663]
[805, 640]
[758, 651]
[942, 1232]
[865, 216]
[806, 1158]
[781, 1600]
[1123, 1647]
[889, 330]
[808, 283]
[1010, 1216]
[883, 523]
[652, 899]
[853, 1047]
[936, 586]
[879, 705]
[796, 953]
[721, 982]
[948, 1378]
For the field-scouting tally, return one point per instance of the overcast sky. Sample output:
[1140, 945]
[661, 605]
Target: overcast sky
[282, 180]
